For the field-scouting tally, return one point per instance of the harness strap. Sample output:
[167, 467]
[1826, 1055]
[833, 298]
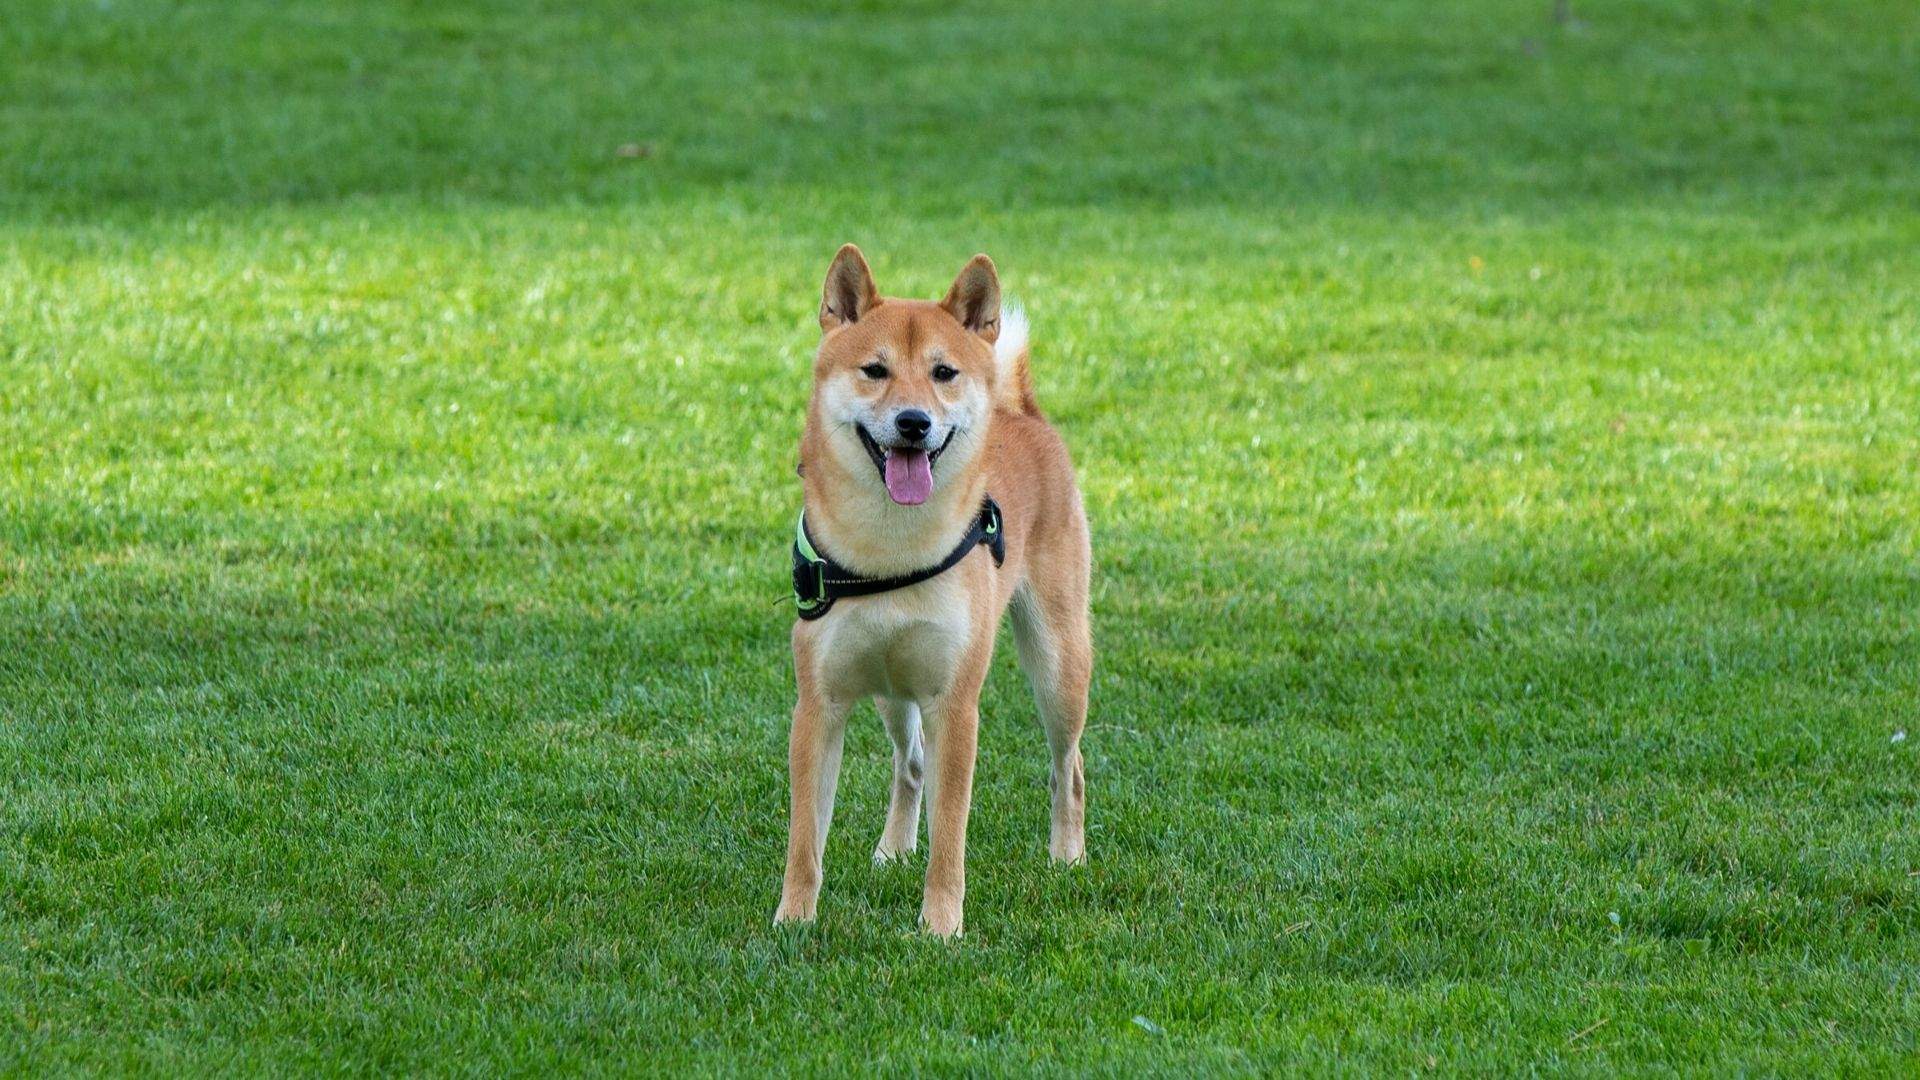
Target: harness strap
[818, 581]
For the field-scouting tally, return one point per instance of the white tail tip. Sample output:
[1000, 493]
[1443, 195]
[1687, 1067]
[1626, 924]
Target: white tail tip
[1013, 336]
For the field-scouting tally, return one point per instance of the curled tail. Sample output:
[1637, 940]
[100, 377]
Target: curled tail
[1010, 353]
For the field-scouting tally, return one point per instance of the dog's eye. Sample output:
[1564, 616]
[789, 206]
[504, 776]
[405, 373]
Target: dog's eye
[943, 373]
[874, 371]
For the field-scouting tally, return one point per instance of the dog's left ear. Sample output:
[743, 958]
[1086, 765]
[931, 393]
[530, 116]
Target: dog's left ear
[975, 298]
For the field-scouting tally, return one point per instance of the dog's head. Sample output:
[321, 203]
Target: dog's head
[903, 390]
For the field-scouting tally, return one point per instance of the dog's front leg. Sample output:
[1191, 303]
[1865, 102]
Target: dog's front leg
[813, 769]
[952, 738]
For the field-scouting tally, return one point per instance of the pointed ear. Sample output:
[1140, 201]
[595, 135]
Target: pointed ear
[975, 298]
[849, 292]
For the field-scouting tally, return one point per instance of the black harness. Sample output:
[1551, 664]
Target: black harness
[818, 581]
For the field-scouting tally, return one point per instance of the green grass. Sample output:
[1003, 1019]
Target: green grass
[1502, 442]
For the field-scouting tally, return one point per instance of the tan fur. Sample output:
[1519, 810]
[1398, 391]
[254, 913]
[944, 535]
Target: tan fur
[922, 653]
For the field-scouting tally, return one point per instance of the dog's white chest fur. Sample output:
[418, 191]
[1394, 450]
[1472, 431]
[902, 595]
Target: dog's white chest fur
[904, 645]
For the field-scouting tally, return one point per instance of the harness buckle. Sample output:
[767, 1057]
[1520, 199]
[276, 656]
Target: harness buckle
[991, 535]
[809, 581]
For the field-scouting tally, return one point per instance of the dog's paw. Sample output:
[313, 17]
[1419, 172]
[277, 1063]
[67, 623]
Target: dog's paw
[793, 912]
[941, 918]
[882, 854]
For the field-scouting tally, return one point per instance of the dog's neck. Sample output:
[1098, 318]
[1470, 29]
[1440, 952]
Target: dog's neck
[852, 519]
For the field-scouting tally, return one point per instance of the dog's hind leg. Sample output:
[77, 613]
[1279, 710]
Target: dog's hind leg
[909, 763]
[1051, 632]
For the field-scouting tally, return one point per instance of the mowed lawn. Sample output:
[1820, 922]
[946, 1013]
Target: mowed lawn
[1501, 439]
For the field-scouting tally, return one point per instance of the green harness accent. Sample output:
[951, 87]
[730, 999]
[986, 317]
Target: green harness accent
[803, 551]
[818, 580]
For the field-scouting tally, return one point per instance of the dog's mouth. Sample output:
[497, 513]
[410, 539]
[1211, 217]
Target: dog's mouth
[907, 471]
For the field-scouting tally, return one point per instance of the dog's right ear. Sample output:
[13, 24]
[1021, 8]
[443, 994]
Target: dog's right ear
[849, 293]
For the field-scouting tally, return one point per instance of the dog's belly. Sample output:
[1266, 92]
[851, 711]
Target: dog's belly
[903, 645]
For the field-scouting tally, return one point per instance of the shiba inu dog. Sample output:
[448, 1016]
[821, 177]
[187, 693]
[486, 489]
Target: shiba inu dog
[936, 498]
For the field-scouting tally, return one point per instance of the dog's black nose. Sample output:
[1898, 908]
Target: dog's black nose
[913, 424]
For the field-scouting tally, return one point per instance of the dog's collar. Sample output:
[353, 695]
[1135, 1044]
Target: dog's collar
[818, 581]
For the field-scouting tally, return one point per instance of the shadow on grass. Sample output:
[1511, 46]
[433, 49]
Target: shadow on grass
[918, 106]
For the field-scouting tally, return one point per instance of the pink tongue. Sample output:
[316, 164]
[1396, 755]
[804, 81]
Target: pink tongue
[909, 476]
